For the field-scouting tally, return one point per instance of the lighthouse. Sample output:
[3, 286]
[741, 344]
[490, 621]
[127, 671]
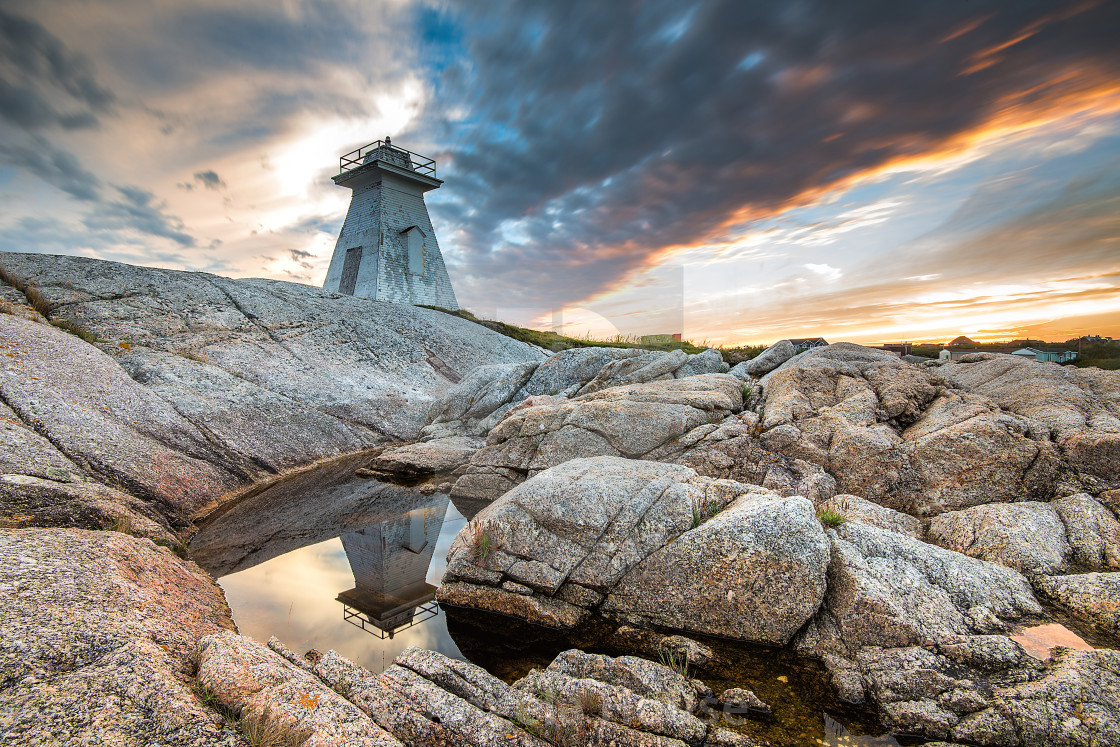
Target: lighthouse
[387, 249]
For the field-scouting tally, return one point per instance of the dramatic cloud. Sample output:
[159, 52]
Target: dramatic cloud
[608, 134]
[737, 171]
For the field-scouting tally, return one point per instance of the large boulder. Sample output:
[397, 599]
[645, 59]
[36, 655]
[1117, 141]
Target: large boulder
[427, 457]
[635, 421]
[80, 400]
[984, 690]
[1029, 536]
[645, 542]
[887, 589]
[488, 393]
[282, 698]
[1080, 407]
[894, 434]
[1093, 531]
[1093, 597]
[97, 641]
[203, 384]
[766, 361]
[426, 698]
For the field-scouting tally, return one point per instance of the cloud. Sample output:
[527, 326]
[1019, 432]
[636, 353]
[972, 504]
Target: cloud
[138, 210]
[38, 74]
[209, 180]
[53, 165]
[609, 141]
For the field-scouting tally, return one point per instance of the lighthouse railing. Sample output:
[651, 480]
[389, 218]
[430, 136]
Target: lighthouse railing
[389, 153]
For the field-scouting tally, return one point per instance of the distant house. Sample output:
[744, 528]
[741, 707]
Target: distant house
[1056, 356]
[659, 339]
[954, 355]
[961, 342]
[1095, 338]
[801, 344]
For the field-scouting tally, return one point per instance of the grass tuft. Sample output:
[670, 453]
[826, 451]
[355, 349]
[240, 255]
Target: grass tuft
[180, 546]
[832, 518]
[264, 731]
[702, 510]
[482, 542]
[121, 523]
[678, 662]
[590, 702]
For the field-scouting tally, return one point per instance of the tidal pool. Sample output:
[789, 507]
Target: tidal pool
[325, 559]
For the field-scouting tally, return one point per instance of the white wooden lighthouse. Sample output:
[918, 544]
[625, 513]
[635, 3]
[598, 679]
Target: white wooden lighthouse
[387, 249]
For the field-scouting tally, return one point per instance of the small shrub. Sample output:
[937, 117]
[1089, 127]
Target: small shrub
[832, 518]
[482, 542]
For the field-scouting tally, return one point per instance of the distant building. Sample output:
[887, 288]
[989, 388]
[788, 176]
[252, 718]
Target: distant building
[659, 339]
[1095, 338]
[801, 344]
[902, 348]
[1056, 356]
[955, 355]
[961, 341]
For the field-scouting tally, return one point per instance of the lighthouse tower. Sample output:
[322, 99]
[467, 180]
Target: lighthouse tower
[387, 249]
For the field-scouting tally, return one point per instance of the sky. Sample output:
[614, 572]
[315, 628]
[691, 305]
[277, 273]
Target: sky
[738, 172]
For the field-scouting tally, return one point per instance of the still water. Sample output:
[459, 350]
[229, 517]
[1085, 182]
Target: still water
[329, 560]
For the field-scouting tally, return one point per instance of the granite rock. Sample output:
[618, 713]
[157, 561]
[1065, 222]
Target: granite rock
[664, 545]
[1079, 407]
[634, 421]
[1093, 597]
[427, 457]
[262, 686]
[897, 435]
[97, 641]
[1029, 536]
[1092, 530]
[768, 359]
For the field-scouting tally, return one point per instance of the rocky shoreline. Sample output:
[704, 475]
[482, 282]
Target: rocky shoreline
[898, 525]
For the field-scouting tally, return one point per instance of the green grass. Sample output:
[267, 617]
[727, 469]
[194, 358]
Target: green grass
[832, 518]
[677, 662]
[482, 542]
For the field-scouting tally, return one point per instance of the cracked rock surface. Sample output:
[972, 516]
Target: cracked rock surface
[198, 385]
[648, 543]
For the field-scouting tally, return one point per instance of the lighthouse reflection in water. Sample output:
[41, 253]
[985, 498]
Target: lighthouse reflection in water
[390, 564]
[329, 560]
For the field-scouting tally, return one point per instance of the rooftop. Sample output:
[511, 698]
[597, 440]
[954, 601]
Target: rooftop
[385, 152]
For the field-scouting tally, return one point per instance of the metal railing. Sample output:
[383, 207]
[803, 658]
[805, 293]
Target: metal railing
[384, 150]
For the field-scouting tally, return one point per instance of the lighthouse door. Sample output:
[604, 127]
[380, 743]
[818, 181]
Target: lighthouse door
[350, 270]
